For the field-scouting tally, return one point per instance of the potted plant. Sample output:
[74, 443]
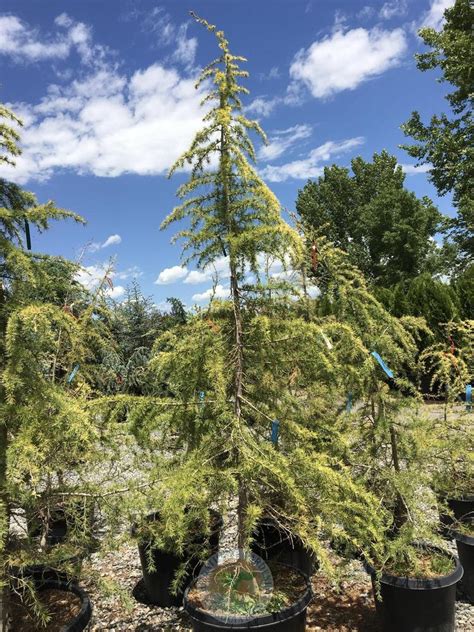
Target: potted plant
[451, 365]
[415, 578]
[46, 432]
[245, 380]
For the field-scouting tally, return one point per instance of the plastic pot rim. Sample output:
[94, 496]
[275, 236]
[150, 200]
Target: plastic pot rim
[86, 605]
[415, 583]
[263, 621]
[462, 537]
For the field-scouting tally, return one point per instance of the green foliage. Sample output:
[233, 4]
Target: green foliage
[446, 143]
[429, 298]
[134, 324]
[384, 227]
[9, 137]
[451, 362]
[233, 368]
[463, 285]
[230, 209]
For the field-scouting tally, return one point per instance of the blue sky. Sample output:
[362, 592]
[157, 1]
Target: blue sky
[106, 92]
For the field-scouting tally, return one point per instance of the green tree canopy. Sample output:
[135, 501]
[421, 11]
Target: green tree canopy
[447, 142]
[385, 228]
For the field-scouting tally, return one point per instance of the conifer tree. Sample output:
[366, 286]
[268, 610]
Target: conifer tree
[235, 367]
[231, 210]
[45, 429]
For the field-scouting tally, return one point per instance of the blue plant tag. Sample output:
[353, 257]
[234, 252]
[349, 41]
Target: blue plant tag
[349, 402]
[201, 396]
[275, 431]
[385, 368]
[73, 373]
[468, 397]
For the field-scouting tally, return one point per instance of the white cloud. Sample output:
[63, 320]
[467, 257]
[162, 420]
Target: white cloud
[185, 51]
[345, 59]
[108, 124]
[112, 240]
[213, 292]
[392, 9]
[171, 275]
[273, 73]
[282, 140]
[132, 272]
[91, 276]
[218, 269]
[365, 13]
[414, 169]
[310, 167]
[23, 43]
[434, 17]
[116, 292]
[261, 106]
[158, 22]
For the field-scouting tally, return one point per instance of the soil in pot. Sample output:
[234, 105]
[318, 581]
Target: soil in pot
[464, 536]
[67, 607]
[159, 567]
[273, 544]
[421, 600]
[247, 601]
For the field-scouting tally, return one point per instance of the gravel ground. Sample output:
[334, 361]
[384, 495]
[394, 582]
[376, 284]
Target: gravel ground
[113, 576]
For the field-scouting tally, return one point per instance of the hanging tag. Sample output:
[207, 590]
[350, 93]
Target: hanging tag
[201, 396]
[385, 368]
[329, 344]
[27, 235]
[73, 373]
[275, 431]
[468, 397]
[349, 402]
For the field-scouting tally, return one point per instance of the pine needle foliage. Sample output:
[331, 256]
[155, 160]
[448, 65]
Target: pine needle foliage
[48, 438]
[9, 137]
[233, 368]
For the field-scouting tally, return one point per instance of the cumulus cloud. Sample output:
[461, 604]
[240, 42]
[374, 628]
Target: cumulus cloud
[311, 166]
[218, 291]
[108, 124]
[345, 59]
[282, 140]
[116, 292]
[171, 275]
[23, 43]
[434, 17]
[218, 269]
[415, 169]
[91, 276]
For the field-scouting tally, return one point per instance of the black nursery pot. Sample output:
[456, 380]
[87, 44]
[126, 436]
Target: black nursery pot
[274, 545]
[60, 524]
[416, 605]
[291, 619]
[44, 581]
[157, 583]
[465, 546]
[461, 508]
